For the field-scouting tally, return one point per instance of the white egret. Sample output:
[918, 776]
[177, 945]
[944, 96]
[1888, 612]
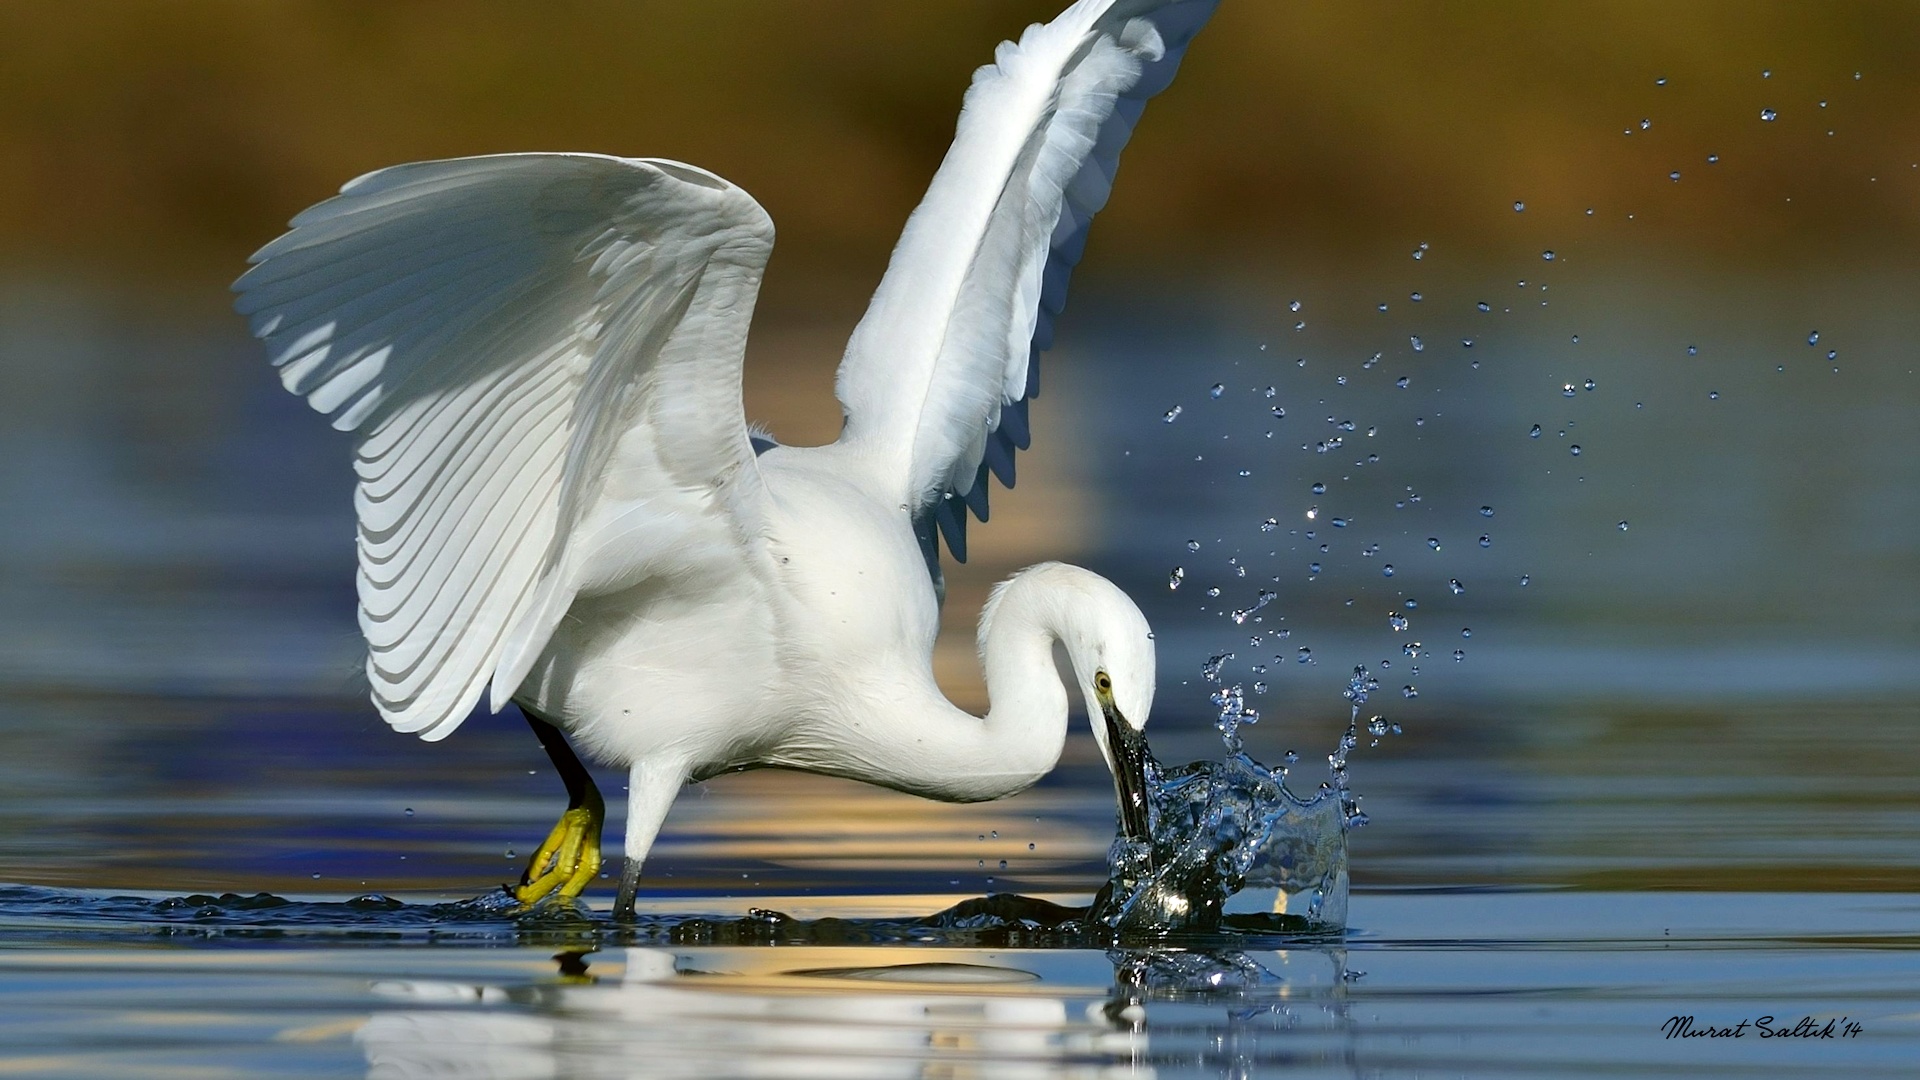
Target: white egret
[560, 502]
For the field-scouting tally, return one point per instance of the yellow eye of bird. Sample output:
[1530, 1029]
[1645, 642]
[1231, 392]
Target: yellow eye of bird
[1102, 683]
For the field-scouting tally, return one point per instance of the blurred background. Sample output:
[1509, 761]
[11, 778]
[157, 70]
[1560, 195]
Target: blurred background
[1592, 323]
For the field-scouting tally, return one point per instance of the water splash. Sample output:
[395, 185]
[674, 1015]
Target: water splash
[1231, 842]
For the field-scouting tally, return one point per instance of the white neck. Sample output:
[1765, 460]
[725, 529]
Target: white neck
[917, 741]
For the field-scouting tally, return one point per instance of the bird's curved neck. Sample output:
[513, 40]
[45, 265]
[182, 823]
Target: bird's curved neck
[948, 753]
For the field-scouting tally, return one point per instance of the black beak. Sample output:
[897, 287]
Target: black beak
[1130, 759]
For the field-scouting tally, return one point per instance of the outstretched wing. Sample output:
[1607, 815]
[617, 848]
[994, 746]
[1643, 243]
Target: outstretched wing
[542, 355]
[936, 378]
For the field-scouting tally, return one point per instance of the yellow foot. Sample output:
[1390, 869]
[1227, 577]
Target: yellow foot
[569, 858]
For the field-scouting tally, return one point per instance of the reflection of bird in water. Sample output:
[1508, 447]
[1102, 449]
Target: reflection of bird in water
[560, 500]
[906, 1020]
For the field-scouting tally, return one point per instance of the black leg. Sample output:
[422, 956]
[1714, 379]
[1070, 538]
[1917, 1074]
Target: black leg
[580, 785]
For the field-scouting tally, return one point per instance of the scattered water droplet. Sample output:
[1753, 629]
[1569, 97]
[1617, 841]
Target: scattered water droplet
[1645, 123]
[1294, 306]
[1454, 584]
[1401, 382]
[1397, 621]
[1418, 345]
[1518, 206]
[1486, 511]
[1339, 523]
[1674, 176]
[1713, 159]
[1484, 306]
[1172, 414]
[1534, 433]
[1485, 540]
[1269, 525]
[1575, 449]
[1415, 297]
[1693, 350]
[1547, 254]
[1279, 412]
[1713, 395]
[1312, 512]
[1813, 338]
[1459, 655]
[1466, 631]
[1319, 488]
[1216, 390]
[1525, 580]
[1623, 526]
[1433, 542]
[1768, 115]
[1214, 592]
[1387, 570]
[1193, 545]
[1175, 577]
[1589, 384]
[1412, 603]
[1660, 82]
[1305, 655]
[1409, 691]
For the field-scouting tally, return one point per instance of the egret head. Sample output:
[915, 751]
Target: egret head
[1111, 649]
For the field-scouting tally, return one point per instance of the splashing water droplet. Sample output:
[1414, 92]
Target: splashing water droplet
[1216, 390]
[1193, 545]
[1813, 338]
[1409, 692]
[1575, 449]
[1418, 345]
[1567, 390]
[1693, 350]
[1339, 523]
[1402, 382]
[1175, 577]
[1459, 655]
[1266, 597]
[1768, 115]
[1486, 511]
[1674, 176]
[1623, 526]
[1518, 206]
[1397, 621]
[1294, 306]
[1547, 254]
[1454, 584]
[1433, 542]
[1534, 433]
[1172, 414]
[1387, 570]
[1269, 525]
[1589, 384]
[1485, 540]
[1525, 580]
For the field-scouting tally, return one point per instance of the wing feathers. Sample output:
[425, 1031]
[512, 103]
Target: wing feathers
[952, 339]
[492, 327]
